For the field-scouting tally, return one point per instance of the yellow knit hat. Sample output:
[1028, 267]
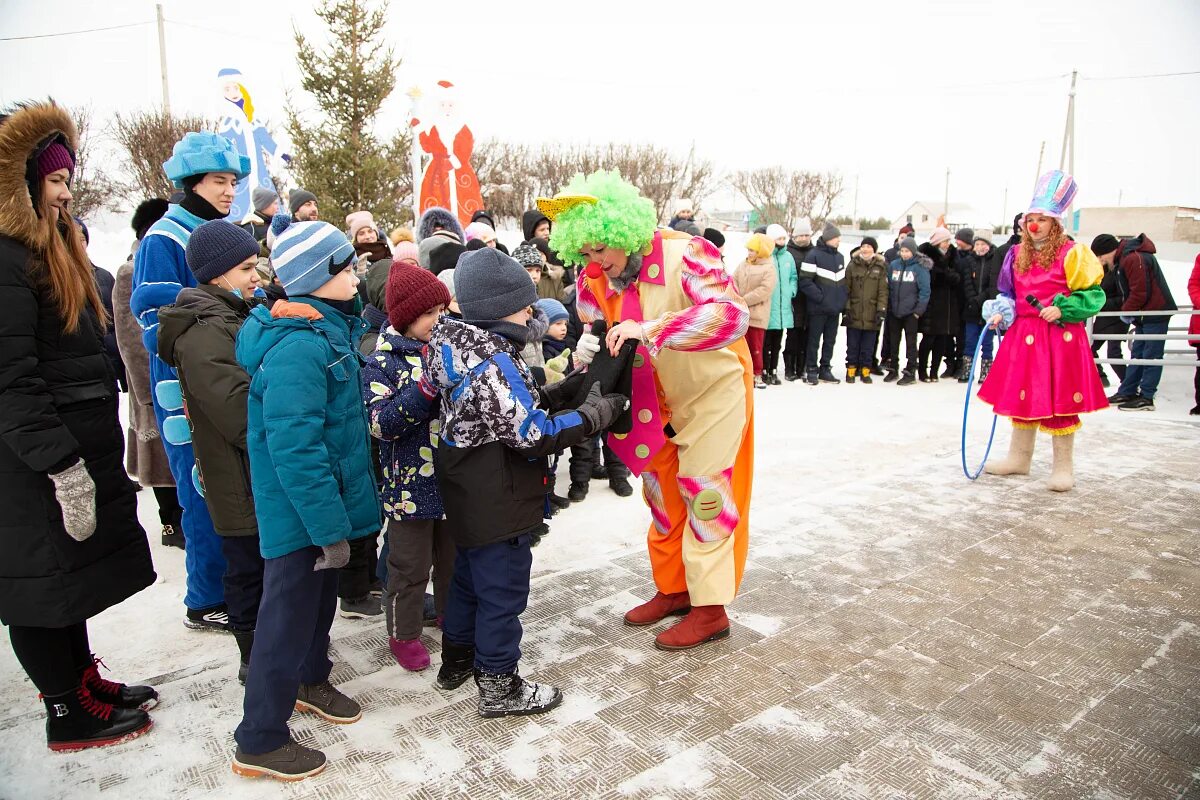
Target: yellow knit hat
[759, 245]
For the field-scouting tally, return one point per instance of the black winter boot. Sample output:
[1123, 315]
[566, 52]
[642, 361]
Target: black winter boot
[559, 502]
[510, 695]
[964, 373]
[245, 643]
[620, 485]
[116, 694]
[826, 376]
[577, 493]
[76, 720]
[908, 379]
[891, 377]
[458, 664]
[599, 471]
[985, 367]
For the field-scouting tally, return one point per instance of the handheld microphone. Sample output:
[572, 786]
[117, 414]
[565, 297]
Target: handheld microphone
[1033, 301]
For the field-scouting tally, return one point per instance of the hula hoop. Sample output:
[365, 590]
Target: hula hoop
[967, 406]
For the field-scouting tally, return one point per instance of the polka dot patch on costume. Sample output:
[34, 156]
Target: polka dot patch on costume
[1029, 339]
[1022, 394]
[645, 415]
[642, 451]
[639, 360]
[1078, 398]
[707, 505]
[653, 271]
[619, 435]
[1067, 336]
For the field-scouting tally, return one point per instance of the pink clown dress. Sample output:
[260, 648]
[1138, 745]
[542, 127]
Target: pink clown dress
[1043, 371]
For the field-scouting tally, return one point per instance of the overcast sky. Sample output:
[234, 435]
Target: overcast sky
[892, 92]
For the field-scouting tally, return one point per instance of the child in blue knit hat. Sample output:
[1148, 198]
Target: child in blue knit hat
[314, 491]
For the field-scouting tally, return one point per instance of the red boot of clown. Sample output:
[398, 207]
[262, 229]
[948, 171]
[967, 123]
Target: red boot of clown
[659, 608]
[702, 624]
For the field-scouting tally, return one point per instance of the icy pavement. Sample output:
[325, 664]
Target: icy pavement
[901, 633]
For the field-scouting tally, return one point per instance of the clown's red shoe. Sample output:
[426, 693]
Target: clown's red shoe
[659, 608]
[702, 624]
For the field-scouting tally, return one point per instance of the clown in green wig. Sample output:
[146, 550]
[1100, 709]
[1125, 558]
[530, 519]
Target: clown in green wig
[599, 209]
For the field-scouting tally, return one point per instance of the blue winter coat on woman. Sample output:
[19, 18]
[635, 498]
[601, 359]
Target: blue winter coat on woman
[402, 408]
[306, 433]
[785, 290]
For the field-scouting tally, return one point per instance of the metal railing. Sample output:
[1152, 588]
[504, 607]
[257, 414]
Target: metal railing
[1189, 352]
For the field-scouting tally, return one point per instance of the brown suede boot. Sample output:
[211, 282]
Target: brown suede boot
[703, 624]
[1062, 474]
[1020, 454]
[659, 608]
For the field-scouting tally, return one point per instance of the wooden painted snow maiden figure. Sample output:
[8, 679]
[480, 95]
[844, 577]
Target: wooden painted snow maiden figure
[251, 139]
[693, 413]
[1043, 377]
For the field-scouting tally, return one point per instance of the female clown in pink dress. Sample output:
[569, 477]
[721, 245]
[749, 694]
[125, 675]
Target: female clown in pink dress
[1044, 377]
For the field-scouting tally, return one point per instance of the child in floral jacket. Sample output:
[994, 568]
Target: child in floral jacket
[402, 406]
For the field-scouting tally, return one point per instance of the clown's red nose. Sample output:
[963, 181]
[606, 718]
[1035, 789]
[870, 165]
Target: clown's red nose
[593, 270]
[1033, 227]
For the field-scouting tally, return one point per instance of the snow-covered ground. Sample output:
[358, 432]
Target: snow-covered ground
[855, 485]
[899, 626]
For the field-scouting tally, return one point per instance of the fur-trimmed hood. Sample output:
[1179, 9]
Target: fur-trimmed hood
[22, 130]
[438, 217]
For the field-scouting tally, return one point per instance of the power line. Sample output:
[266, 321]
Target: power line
[1139, 77]
[73, 33]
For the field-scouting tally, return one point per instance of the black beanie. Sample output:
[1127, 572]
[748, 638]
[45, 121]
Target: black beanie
[870, 240]
[715, 236]
[1104, 244]
[147, 213]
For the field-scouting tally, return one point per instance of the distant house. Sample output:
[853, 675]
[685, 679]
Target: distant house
[1161, 223]
[732, 219]
[923, 216]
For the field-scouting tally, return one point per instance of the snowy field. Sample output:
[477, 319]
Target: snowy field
[901, 632]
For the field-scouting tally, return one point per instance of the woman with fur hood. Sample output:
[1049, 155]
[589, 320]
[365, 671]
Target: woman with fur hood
[70, 543]
[940, 322]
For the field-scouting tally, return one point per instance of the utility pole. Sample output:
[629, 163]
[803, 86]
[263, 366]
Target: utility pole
[1041, 154]
[1119, 193]
[946, 197]
[162, 61]
[856, 199]
[1004, 211]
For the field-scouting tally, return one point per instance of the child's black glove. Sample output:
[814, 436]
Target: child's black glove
[561, 395]
[600, 411]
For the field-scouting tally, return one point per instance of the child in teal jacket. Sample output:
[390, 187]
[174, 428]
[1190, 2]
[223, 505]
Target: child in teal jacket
[314, 488]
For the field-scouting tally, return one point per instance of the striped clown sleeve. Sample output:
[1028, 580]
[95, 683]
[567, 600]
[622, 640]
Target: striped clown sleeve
[719, 316]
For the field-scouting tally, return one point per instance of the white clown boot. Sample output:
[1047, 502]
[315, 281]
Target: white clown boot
[1062, 474]
[1020, 454]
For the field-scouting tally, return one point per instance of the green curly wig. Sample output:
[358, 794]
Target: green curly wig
[622, 218]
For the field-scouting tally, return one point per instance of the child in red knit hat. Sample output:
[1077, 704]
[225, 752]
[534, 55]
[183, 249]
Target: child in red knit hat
[403, 410]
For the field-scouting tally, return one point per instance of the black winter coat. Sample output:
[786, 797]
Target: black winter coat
[822, 279]
[944, 314]
[106, 282]
[978, 275]
[800, 301]
[58, 405]
[196, 336]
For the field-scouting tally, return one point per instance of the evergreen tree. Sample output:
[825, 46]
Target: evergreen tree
[337, 155]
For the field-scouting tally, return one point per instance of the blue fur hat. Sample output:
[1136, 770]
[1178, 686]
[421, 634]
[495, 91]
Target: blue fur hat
[307, 254]
[438, 217]
[554, 309]
[201, 153]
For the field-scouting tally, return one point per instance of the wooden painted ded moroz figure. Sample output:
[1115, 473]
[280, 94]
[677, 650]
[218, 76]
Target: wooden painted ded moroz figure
[692, 440]
[1043, 376]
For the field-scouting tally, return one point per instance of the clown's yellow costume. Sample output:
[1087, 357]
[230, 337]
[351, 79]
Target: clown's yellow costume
[693, 414]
